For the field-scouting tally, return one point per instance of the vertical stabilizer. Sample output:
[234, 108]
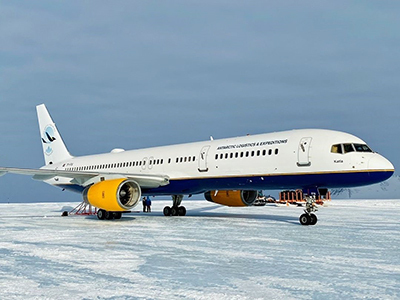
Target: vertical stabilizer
[54, 149]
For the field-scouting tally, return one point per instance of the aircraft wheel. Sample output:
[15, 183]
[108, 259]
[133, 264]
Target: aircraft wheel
[181, 211]
[174, 211]
[305, 219]
[109, 215]
[101, 214]
[313, 219]
[117, 215]
[167, 211]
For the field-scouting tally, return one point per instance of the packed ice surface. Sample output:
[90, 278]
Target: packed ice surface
[214, 252]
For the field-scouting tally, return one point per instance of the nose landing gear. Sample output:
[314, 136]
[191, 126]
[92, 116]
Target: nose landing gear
[308, 218]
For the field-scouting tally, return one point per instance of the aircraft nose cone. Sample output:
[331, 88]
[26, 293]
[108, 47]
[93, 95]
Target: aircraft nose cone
[380, 168]
[380, 163]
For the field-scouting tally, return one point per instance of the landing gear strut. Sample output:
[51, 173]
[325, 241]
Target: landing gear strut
[308, 218]
[176, 209]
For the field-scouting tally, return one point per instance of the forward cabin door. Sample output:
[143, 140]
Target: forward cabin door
[203, 159]
[303, 152]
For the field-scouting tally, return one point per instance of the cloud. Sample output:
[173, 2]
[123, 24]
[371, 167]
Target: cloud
[138, 74]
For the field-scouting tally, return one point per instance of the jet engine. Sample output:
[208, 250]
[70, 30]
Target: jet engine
[232, 198]
[113, 195]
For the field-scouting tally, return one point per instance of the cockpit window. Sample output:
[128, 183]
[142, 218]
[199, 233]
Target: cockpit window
[337, 148]
[346, 148]
[362, 148]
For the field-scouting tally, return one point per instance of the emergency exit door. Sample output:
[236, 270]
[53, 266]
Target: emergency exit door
[203, 159]
[303, 152]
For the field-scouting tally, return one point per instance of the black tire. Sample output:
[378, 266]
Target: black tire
[109, 215]
[101, 214]
[174, 211]
[313, 219]
[117, 215]
[167, 211]
[305, 219]
[181, 211]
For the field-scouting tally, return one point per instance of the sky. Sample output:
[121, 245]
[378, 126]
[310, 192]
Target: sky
[134, 74]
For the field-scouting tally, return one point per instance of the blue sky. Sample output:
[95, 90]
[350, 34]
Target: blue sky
[135, 74]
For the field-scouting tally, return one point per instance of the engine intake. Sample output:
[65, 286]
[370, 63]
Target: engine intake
[113, 195]
[232, 198]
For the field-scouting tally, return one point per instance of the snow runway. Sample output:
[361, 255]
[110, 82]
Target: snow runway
[213, 253]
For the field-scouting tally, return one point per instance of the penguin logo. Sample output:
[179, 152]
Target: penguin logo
[48, 138]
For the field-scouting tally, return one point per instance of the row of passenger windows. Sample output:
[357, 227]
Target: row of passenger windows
[140, 163]
[185, 159]
[346, 148]
[246, 154]
[116, 165]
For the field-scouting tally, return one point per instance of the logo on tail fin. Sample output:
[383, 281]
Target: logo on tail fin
[48, 138]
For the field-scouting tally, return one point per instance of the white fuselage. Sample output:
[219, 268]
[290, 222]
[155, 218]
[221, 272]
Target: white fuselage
[282, 160]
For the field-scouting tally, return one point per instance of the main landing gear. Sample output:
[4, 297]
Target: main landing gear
[308, 218]
[176, 209]
[108, 215]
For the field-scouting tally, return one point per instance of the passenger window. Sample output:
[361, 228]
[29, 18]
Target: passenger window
[348, 148]
[276, 151]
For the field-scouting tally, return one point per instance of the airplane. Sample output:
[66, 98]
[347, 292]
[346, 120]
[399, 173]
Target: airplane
[227, 171]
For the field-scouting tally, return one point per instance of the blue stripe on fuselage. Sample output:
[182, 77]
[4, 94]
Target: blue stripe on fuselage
[301, 181]
[325, 180]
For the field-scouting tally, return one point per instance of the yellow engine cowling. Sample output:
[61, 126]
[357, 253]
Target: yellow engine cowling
[232, 198]
[113, 195]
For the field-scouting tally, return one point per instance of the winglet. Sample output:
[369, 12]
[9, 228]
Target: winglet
[54, 149]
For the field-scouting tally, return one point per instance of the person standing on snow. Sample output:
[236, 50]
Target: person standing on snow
[148, 204]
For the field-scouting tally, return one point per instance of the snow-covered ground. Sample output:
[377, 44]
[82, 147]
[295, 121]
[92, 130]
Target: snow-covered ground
[214, 252]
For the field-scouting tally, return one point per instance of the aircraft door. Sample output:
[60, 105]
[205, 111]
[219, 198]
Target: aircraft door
[203, 159]
[303, 152]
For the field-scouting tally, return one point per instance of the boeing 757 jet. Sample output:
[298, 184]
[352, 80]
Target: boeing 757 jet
[227, 171]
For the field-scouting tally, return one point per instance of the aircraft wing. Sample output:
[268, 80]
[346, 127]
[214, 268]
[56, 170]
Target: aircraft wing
[87, 178]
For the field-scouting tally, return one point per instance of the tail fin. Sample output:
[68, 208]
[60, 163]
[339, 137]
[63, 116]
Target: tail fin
[54, 149]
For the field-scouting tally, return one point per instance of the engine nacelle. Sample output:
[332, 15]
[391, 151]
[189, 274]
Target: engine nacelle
[232, 198]
[113, 195]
